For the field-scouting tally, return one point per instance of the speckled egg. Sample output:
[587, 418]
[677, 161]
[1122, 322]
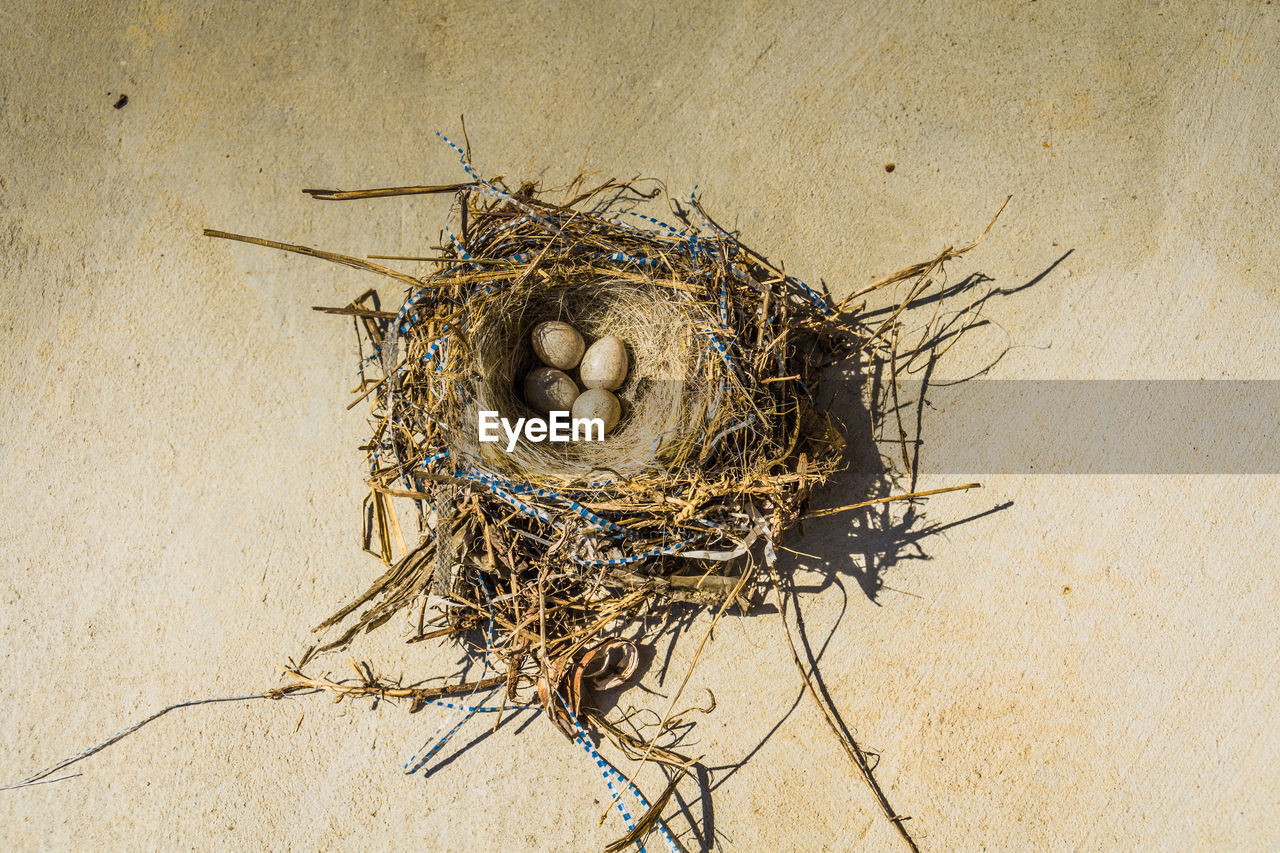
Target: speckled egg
[605, 364]
[549, 390]
[557, 344]
[598, 403]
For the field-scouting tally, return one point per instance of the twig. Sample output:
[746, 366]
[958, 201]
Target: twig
[851, 747]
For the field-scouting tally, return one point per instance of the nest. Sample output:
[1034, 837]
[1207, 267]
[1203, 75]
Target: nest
[719, 447]
[546, 561]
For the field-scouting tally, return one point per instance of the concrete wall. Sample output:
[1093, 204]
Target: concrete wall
[1089, 666]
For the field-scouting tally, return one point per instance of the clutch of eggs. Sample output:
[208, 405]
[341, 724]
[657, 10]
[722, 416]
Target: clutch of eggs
[602, 368]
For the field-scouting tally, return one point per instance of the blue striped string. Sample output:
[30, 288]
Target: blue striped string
[641, 232]
[434, 458]
[697, 208]
[462, 253]
[694, 242]
[500, 486]
[526, 488]
[814, 297]
[491, 190]
[409, 303]
[624, 258]
[414, 764]
[631, 229]
[607, 770]
[724, 240]
[498, 231]
[670, 229]
[587, 515]
[473, 709]
[720, 348]
[607, 773]
[531, 511]
[431, 351]
[695, 248]
[408, 324]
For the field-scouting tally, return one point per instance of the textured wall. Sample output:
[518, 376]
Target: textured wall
[1091, 666]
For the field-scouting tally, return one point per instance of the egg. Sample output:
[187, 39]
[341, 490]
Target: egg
[557, 344]
[598, 403]
[549, 390]
[605, 364]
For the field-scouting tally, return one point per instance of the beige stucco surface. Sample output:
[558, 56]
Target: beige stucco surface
[1091, 667]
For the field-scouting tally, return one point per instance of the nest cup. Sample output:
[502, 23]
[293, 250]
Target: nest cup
[664, 389]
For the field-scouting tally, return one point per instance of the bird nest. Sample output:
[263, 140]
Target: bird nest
[545, 561]
[721, 441]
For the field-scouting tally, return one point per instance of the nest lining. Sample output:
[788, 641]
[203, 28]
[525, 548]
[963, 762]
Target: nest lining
[668, 379]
